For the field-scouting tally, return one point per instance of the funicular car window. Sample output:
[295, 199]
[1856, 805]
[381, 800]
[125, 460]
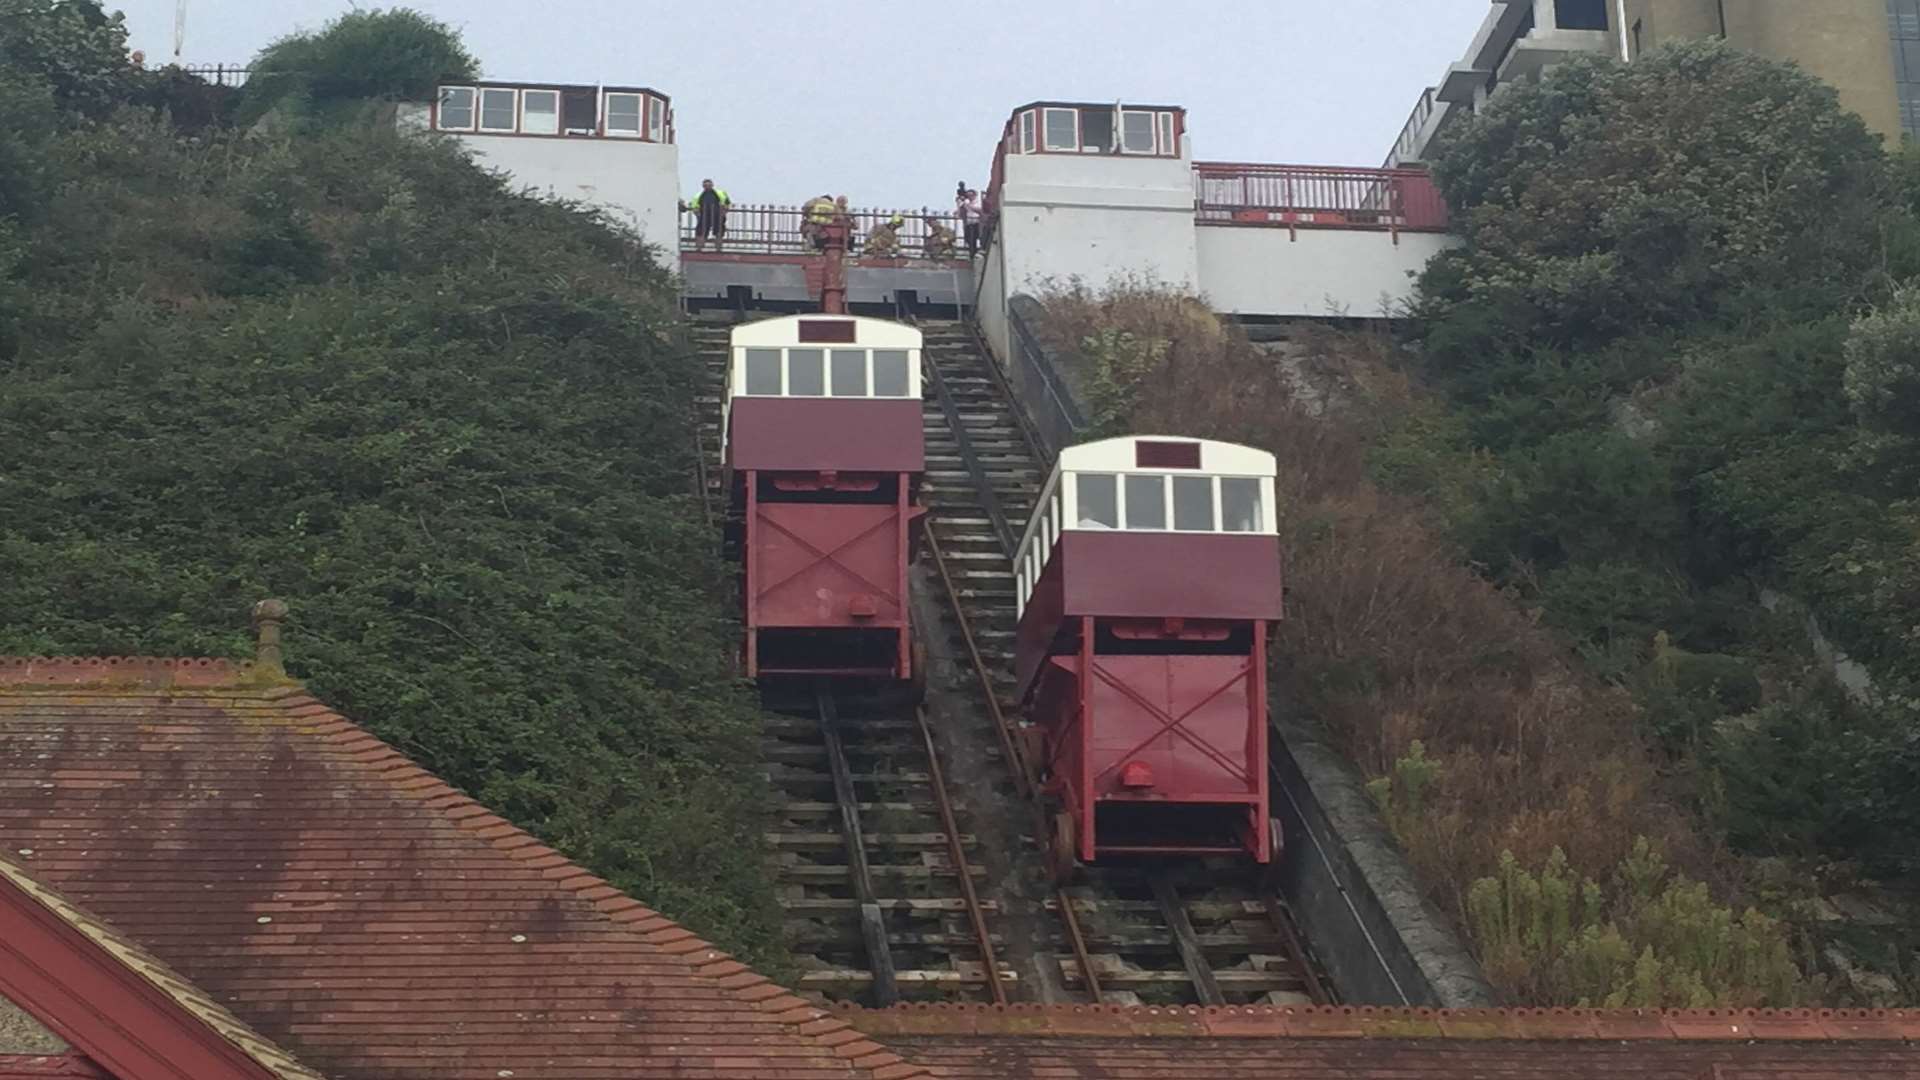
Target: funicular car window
[1146, 501]
[1166, 134]
[1240, 505]
[890, 373]
[806, 373]
[656, 119]
[1026, 132]
[1053, 522]
[1098, 496]
[763, 372]
[1193, 503]
[849, 373]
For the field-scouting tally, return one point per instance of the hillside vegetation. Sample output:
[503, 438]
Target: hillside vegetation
[448, 423]
[1670, 374]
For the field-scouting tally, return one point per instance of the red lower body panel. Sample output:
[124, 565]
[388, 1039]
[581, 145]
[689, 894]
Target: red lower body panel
[1159, 754]
[826, 587]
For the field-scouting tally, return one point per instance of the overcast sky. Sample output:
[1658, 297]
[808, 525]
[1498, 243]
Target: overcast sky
[779, 101]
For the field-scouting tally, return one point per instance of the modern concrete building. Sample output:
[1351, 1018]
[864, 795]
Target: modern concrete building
[1859, 46]
[609, 146]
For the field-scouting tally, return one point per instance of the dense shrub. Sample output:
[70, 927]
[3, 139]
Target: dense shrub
[72, 47]
[360, 56]
[449, 424]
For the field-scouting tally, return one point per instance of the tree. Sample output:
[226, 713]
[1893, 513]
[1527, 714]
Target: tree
[74, 45]
[1700, 183]
[1883, 380]
[369, 55]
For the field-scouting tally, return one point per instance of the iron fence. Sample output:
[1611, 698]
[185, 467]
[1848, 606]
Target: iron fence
[1312, 196]
[775, 230]
[220, 74]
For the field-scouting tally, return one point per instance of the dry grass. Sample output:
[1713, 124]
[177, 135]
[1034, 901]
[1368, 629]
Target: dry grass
[1390, 637]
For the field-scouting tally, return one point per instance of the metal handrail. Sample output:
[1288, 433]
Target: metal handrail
[1061, 424]
[1318, 196]
[768, 229]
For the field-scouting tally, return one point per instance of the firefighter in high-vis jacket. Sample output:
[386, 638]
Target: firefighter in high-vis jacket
[884, 241]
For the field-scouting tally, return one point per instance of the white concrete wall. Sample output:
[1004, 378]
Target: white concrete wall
[1313, 273]
[636, 182]
[1096, 216]
[991, 303]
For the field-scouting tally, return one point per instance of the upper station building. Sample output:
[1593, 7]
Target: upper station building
[609, 146]
[1079, 191]
[1869, 50]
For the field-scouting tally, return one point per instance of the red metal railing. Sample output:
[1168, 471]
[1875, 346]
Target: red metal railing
[775, 230]
[1314, 196]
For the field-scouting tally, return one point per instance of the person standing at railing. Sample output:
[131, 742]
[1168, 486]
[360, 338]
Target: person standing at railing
[966, 207]
[710, 215]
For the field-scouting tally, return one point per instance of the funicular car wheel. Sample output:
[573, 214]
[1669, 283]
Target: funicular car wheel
[1061, 862]
[1270, 873]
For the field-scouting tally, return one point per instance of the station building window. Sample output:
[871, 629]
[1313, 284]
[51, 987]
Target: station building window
[1063, 129]
[456, 108]
[623, 114]
[498, 111]
[540, 112]
[1094, 129]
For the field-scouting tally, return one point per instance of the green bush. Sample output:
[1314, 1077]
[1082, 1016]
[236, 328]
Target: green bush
[360, 56]
[1649, 939]
[450, 425]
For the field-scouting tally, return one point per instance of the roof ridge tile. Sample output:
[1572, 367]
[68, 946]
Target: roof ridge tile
[134, 672]
[1380, 1022]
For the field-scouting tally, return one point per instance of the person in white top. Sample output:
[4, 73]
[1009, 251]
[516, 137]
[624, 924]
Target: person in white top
[966, 206]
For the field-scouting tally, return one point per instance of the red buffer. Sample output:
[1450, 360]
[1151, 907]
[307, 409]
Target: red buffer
[825, 453]
[1147, 580]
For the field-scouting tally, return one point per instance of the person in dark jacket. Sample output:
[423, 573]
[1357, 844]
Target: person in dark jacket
[710, 215]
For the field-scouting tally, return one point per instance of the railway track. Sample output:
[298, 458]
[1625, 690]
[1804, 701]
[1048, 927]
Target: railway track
[893, 888]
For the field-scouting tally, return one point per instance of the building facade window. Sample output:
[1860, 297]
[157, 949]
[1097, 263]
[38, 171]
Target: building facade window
[1903, 24]
[1580, 14]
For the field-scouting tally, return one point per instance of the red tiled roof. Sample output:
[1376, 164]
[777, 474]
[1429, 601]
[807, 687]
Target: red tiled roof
[1297, 1042]
[355, 909]
[115, 1002]
[68, 1066]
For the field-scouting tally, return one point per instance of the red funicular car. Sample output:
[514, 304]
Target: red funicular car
[825, 453]
[1146, 582]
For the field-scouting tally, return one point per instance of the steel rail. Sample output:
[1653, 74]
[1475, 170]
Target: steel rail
[873, 928]
[1205, 986]
[1077, 939]
[958, 855]
[1281, 918]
